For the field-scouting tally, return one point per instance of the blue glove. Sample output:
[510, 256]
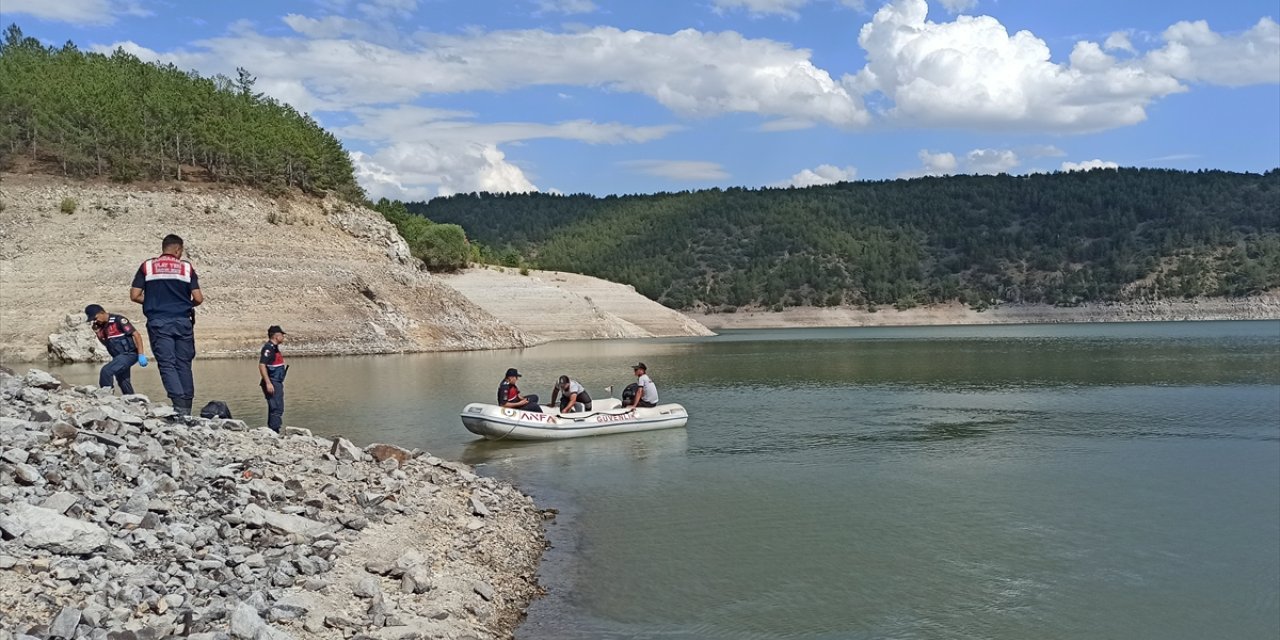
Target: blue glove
[142, 359]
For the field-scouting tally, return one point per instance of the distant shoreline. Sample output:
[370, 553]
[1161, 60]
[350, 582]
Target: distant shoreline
[1262, 307]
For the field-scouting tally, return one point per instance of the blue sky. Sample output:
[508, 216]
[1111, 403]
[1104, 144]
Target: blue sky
[434, 97]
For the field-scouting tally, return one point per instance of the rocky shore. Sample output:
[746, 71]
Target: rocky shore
[1261, 307]
[122, 521]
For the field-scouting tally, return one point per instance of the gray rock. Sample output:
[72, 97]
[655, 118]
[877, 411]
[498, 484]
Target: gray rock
[344, 450]
[64, 625]
[16, 456]
[41, 380]
[27, 474]
[368, 587]
[479, 508]
[257, 516]
[484, 589]
[47, 529]
[60, 501]
[245, 622]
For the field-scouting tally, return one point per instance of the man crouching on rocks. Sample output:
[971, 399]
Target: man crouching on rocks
[169, 291]
[272, 368]
[123, 343]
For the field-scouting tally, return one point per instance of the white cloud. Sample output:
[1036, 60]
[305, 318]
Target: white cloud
[690, 170]
[991, 161]
[409, 123]
[956, 6]
[1118, 41]
[326, 27]
[567, 7]
[81, 12]
[1089, 165]
[942, 163]
[977, 161]
[421, 171]
[971, 73]
[387, 9]
[733, 74]
[788, 8]
[822, 174]
[1043, 151]
[1195, 53]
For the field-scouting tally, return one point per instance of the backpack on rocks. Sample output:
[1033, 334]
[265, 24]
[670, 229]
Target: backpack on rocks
[216, 409]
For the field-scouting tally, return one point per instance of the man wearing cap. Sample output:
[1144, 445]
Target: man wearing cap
[509, 395]
[123, 343]
[575, 396]
[272, 368]
[169, 291]
[646, 391]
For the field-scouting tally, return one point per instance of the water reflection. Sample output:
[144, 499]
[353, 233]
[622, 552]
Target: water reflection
[577, 455]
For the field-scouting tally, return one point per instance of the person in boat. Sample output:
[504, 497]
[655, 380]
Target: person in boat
[509, 394]
[575, 396]
[646, 391]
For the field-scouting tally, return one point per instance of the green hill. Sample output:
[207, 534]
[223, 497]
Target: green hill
[1064, 238]
[87, 115]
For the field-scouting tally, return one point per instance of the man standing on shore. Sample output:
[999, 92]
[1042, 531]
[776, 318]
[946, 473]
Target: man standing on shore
[169, 291]
[272, 368]
[123, 343]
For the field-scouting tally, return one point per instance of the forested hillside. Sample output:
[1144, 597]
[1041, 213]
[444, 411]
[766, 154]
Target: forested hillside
[1065, 238]
[88, 115]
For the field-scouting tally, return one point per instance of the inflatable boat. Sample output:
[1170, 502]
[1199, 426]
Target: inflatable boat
[608, 416]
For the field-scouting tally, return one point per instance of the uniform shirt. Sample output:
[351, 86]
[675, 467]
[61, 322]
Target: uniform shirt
[507, 392]
[167, 282]
[116, 335]
[650, 389]
[271, 356]
[574, 387]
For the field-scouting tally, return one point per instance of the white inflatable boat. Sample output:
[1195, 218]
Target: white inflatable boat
[608, 416]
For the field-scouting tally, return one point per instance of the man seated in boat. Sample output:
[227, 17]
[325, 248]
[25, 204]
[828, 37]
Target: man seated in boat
[509, 395]
[646, 390]
[575, 396]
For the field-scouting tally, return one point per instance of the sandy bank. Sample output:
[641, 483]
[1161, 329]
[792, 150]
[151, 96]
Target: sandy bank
[120, 520]
[1263, 307]
[554, 305]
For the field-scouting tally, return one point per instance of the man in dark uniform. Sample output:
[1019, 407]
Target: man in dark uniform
[509, 395]
[169, 291]
[123, 343]
[272, 368]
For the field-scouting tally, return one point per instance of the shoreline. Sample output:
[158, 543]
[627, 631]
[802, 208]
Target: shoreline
[1262, 307]
[120, 517]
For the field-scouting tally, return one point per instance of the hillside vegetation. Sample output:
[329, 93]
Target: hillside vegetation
[1065, 238]
[88, 115]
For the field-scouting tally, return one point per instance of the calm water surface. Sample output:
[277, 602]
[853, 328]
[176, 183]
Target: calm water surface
[1047, 481]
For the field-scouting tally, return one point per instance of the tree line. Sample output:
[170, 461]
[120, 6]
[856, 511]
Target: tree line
[1063, 238]
[89, 115]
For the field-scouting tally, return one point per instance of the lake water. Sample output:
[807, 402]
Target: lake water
[1043, 481]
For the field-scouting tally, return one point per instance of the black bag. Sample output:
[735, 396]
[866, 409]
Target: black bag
[629, 394]
[216, 409]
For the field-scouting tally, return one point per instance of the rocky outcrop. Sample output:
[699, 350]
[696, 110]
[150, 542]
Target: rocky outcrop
[554, 305]
[1260, 307]
[338, 277]
[121, 520]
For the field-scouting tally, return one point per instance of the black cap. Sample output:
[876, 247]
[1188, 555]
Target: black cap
[92, 311]
[513, 372]
[274, 329]
[639, 365]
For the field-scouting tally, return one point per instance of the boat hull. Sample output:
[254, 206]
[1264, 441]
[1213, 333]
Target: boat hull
[496, 423]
